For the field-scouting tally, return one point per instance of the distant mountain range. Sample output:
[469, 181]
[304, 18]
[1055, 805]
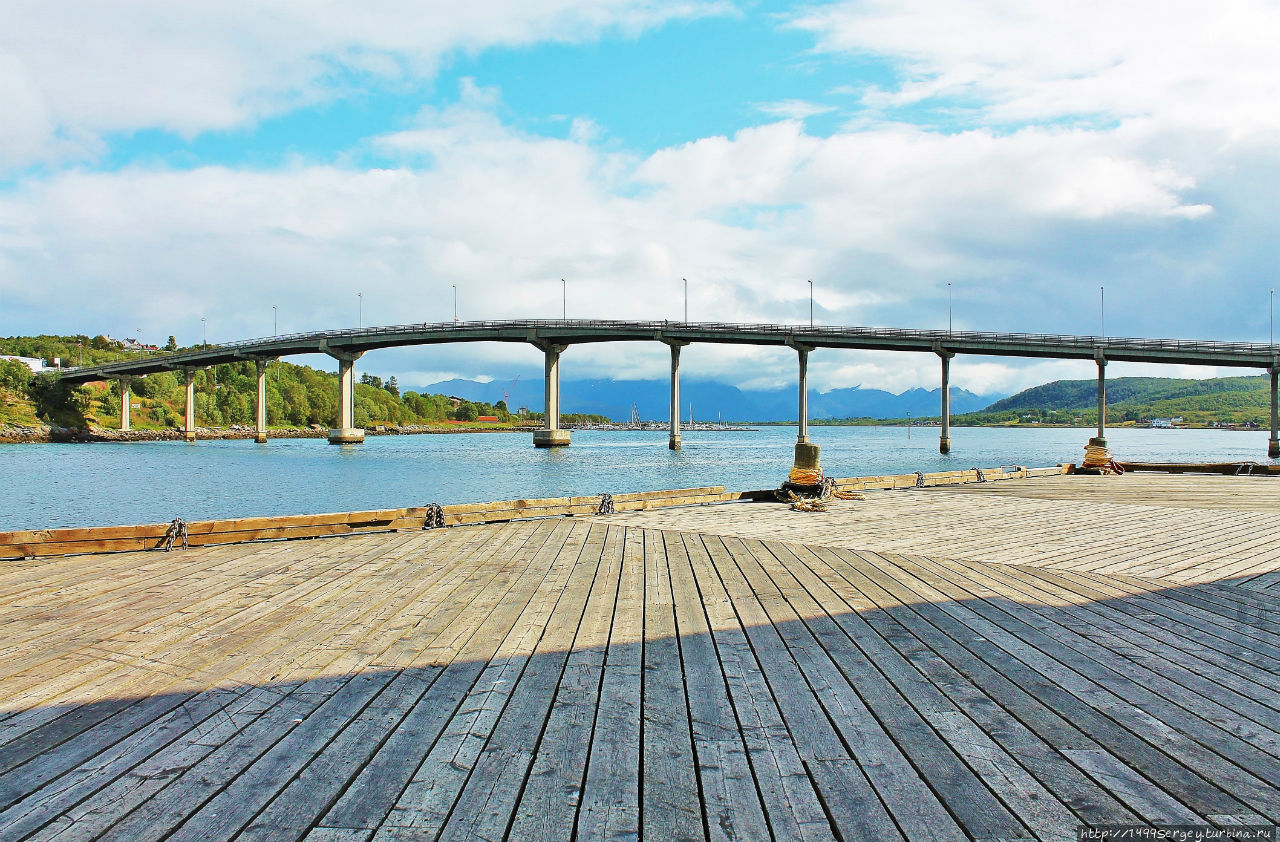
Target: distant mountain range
[711, 400]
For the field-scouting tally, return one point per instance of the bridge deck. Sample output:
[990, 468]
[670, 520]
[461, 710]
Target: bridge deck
[578, 331]
[731, 672]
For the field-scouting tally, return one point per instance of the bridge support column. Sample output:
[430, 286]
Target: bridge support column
[944, 443]
[346, 432]
[551, 435]
[807, 453]
[1101, 439]
[126, 400]
[189, 419]
[1273, 446]
[673, 441]
[260, 427]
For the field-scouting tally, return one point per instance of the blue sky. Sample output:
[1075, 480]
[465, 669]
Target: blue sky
[160, 164]
[689, 79]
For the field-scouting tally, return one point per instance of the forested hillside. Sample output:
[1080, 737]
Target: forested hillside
[297, 395]
[1224, 400]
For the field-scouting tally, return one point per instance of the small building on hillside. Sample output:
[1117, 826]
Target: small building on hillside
[32, 363]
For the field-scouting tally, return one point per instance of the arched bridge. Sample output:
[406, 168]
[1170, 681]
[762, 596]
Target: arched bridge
[554, 336]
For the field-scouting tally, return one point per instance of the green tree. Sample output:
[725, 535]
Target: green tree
[14, 375]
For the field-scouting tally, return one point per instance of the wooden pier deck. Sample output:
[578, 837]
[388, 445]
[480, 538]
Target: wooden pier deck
[996, 661]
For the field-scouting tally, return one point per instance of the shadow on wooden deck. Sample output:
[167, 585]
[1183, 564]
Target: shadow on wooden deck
[685, 686]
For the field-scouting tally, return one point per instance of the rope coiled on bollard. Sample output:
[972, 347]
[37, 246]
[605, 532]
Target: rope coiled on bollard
[1098, 457]
[804, 480]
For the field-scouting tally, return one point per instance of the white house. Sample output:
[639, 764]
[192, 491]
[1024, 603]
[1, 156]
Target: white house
[32, 363]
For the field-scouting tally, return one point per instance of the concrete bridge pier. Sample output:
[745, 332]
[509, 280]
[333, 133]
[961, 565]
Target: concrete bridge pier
[807, 453]
[1101, 439]
[944, 443]
[346, 432]
[1273, 446]
[673, 441]
[126, 400]
[260, 425]
[189, 407]
[551, 435]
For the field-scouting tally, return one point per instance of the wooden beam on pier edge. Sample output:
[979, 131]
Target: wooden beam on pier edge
[47, 542]
[973, 661]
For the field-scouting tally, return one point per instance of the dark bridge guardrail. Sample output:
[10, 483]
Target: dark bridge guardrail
[578, 331]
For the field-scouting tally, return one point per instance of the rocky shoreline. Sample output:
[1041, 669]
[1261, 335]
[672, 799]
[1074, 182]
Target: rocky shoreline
[44, 433]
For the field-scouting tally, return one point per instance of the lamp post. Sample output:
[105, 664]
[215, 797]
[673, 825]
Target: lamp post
[810, 303]
[205, 324]
[360, 309]
[948, 308]
[1102, 310]
[1273, 315]
[455, 301]
[686, 298]
[275, 331]
[564, 301]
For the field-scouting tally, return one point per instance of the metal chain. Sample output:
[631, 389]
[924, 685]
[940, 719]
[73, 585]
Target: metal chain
[177, 529]
[434, 518]
[606, 505]
[919, 479]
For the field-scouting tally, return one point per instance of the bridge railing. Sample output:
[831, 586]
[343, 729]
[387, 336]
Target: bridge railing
[942, 338]
[1084, 341]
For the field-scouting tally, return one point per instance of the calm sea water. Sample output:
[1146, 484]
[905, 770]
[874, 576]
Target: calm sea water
[54, 485]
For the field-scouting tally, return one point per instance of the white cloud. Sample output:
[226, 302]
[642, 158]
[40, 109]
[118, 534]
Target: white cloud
[880, 219]
[1208, 66]
[794, 109]
[71, 72]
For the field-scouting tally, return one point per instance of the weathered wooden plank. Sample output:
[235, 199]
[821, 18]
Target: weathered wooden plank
[153, 809]
[854, 808]
[486, 806]
[670, 807]
[731, 803]
[611, 793]
[790, 797]
[428, 799]
[548, 807]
